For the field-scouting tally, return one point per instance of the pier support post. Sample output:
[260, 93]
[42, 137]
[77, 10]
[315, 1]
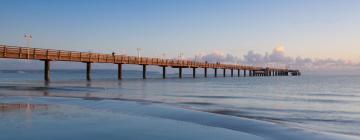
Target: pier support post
[180, 72]
[144, 71]
[215, 72]
[244, 73]
[194, 72]
[238, 72]
[205, 72]
[232, 72]
[267, 73]
[251, 73]
[88, 71]
[119, 71]
[224, 72]
[47, 70]
[164, 72]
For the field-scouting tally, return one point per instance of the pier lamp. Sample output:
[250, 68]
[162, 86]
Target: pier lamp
[28, 39]
[138, 51]
[181, 55]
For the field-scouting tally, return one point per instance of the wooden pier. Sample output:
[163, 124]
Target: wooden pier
[48, 55]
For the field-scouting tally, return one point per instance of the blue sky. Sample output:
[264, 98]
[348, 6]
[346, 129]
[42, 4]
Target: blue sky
[308, 28]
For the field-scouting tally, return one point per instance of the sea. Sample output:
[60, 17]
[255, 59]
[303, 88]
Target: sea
[325, 103]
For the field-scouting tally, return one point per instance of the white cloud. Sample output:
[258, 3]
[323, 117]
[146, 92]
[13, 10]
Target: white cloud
[218, 56]
[278, 58]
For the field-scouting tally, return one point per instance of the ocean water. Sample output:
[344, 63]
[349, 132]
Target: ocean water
[328, 103]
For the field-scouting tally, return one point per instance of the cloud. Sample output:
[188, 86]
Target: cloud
[218, 56]
[253, 58]
[278, 58]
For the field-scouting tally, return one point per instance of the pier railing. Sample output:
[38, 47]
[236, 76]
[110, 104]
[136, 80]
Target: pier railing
[63, 55]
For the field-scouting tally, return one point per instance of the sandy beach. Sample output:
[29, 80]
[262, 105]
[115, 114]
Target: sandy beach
[69, 118]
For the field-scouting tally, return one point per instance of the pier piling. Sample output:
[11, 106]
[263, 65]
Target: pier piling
[47, 70]
[164, 72]
[215, 72]
[88, 71]
[119, 71]
[224, 72]
[180, 72]
[144, 71]
[205, 72]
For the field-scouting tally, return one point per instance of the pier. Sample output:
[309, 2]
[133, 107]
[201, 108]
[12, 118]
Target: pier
[48, 55]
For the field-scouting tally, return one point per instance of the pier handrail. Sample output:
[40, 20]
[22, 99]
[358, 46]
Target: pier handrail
[16, 52]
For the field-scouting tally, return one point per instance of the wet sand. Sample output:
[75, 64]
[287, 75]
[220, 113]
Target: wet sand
[75, 118]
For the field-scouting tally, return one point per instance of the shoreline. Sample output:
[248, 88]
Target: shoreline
[249, 127]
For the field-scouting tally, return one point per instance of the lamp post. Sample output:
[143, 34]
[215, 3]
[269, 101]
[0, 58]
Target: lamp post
[138, 51]
[181, 55]
[28, 39]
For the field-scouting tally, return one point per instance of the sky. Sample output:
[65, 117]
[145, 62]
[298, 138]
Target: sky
[316, 30]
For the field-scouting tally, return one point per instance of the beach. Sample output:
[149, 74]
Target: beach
[179, 70]
[63, 118]
[202, 108]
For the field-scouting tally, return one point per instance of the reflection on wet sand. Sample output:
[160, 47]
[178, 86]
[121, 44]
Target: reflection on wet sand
[45, 92]
[27, 107]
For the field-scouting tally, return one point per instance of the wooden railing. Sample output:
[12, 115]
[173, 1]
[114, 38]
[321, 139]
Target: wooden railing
[15, 52]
